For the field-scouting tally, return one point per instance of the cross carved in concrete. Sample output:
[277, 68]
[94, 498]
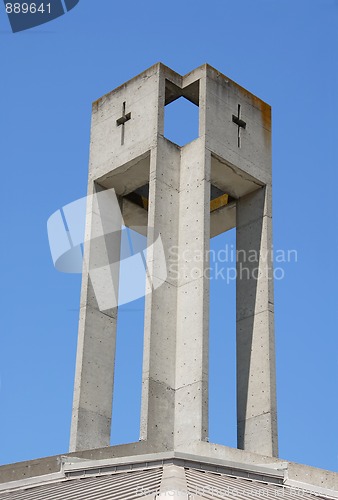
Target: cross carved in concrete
[241, 124]
[122, 121]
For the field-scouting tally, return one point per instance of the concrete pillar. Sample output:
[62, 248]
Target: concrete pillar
[124, 129]
[192, 348]
[256, 385]
[175, 369]
[94, 378]
[158, 384]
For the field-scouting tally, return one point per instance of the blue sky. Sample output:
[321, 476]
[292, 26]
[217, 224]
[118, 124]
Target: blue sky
[285, 52]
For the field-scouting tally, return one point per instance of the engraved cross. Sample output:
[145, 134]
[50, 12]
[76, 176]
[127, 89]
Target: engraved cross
[121, 121]
[241, 124]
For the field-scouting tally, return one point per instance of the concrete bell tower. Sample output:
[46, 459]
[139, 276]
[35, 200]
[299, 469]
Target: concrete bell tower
[180, 197]
[186, 195]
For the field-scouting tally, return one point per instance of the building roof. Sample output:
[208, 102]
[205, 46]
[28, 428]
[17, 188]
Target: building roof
[161, 477]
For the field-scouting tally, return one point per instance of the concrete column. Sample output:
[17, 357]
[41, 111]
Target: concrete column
[256, 385]
[158, 389]
[94, 378]
[191, 401]
[175, 369]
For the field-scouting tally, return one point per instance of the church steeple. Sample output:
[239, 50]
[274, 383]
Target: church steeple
[184, 195]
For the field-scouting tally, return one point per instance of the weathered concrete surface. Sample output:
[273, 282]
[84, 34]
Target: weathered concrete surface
[192, 349]
[158, 385]
[256, 384]
[119, 158]
[241, 166]
[174, 397]
[94, 378]
[222, 97]
[200, 452]
[174, 483]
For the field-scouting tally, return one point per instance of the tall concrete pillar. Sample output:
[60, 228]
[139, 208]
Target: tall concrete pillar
[180, 197]
[158, 381]
[238, 133]
[175, 371]
[256, 384]
[192, 349]
[94, 378]
[124, 130]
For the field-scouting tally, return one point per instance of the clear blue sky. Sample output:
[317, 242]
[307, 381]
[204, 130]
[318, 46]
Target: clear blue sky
[285, 51]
